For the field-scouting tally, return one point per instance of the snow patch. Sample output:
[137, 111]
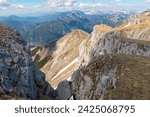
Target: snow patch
[62, 70]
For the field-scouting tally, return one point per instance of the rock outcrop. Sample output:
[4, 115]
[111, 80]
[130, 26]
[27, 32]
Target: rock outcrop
[113, 64]
[64, 91]
[113, 76]
[19, 78]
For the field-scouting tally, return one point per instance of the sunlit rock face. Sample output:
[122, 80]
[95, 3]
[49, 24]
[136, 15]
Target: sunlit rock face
[113, 64]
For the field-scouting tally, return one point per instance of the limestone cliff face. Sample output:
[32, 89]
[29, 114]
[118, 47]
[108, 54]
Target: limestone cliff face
[116, 42]
[113, 65]
[19, 78]
[86, 48]
[58, 59]
[126, 38]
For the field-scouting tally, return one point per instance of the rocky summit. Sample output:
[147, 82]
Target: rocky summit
[115, 64]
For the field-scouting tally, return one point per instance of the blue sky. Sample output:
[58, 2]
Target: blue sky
[17, 7]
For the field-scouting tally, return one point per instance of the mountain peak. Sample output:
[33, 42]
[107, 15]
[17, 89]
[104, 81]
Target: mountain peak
[79, 32]
[77, 12]
[65, 51]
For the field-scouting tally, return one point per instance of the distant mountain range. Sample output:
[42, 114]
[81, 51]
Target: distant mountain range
[42, 30]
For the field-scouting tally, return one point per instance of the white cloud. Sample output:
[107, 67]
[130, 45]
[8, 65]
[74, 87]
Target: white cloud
[89, 5]
[58, 5]
[62, 3]
[117, 0]
[147, 1]
[37, 6]
[4, 3]
[18, 6]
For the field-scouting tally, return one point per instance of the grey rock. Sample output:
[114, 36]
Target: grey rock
[64, 91]
[18, 75]
[50, 92]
